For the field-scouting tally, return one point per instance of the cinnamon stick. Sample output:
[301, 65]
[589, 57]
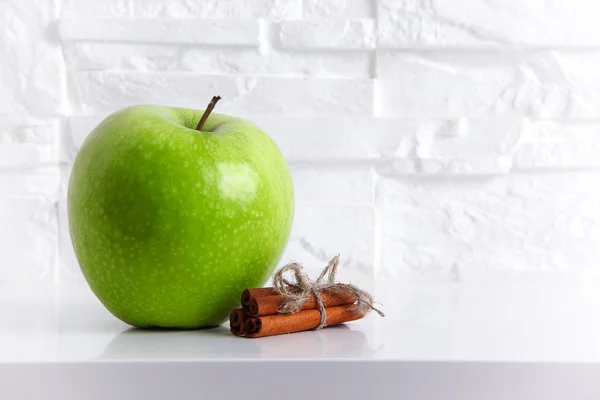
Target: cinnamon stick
[279, 324]
[257, 292]
[259, 306]
[237, 321]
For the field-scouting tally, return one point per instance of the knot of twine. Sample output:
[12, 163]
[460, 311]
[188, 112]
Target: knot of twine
[296, 293]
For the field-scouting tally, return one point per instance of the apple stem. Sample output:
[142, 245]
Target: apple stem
[207, 112]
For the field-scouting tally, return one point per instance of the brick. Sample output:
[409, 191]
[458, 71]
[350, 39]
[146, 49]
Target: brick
[560, 145]
[318, 139]
[508, 227]
[288, 63]
[449, 139]
[41, 181]
[276, 9]
[338, 9]
[29, 134]
[324, 184]
[26, 155]
[215, 60]
[494, 23]
[443, 84]
[322, 231]
[108, 91]
[38, 134]
[325, 34]
[28, 239]
[446, 166]
[28, 130]
[106, 8]
[26, 143]
[30, 72]
[219, 32]
[135, 56]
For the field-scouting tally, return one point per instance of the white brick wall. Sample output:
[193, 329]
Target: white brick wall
[428, 139]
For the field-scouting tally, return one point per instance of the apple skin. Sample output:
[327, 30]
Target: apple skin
[170, 224]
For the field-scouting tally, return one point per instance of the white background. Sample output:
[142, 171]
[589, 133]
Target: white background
[429, 140]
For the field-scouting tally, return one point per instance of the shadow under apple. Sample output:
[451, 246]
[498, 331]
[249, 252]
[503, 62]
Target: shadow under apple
[339, 341]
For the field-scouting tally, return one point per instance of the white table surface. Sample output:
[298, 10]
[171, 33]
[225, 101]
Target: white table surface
[437, 341]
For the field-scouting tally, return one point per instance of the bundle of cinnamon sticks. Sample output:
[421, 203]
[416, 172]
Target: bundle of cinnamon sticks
[259, 315]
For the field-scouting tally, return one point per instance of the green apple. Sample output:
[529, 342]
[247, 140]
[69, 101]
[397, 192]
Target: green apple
[170, 223]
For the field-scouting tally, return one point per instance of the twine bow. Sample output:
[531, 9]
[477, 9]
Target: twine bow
[296, 293]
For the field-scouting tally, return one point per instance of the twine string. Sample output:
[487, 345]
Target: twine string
[296, 292]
